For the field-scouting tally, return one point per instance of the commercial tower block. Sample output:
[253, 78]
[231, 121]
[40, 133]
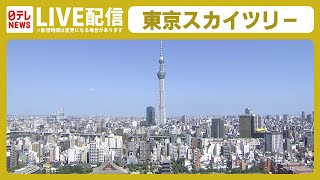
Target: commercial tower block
[161, 75]
[150, 115]
[217, 128]
[303, 115]
[273, 142]
[60, 114]
[246, 125]
[251, 125]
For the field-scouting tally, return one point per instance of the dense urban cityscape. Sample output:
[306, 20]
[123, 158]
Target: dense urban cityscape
[159, 144]
[271, 144]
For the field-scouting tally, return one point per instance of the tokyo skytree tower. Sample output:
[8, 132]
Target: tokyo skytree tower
[161, 119]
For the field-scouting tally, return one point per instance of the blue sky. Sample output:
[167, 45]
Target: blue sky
[118, 77]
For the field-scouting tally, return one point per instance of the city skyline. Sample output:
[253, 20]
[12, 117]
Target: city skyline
[101, 83]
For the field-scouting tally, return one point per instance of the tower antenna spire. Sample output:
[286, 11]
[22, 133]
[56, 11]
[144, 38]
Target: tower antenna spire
[161, 48]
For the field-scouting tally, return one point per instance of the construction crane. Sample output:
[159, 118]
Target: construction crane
[47, 165]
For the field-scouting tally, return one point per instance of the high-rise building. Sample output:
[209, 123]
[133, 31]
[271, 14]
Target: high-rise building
[198, 132]
[60, 114]
[93, 152]
[144, 151]
[14, 157]
[226, 151]
[287, 144]
[246, 125]
[257, 123]
[173, 151]
[53, 117]
[309, 118]
[303, 115]
[312, 116]
[38, 148]
[183, 151]
[251, 125]
[287, 134]
[217, 128]
[285, 118]
[150, 116]
[309, 141]
[54, 153]
[161, 75]
[184, 119]
[188, 140]
[274, 142]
